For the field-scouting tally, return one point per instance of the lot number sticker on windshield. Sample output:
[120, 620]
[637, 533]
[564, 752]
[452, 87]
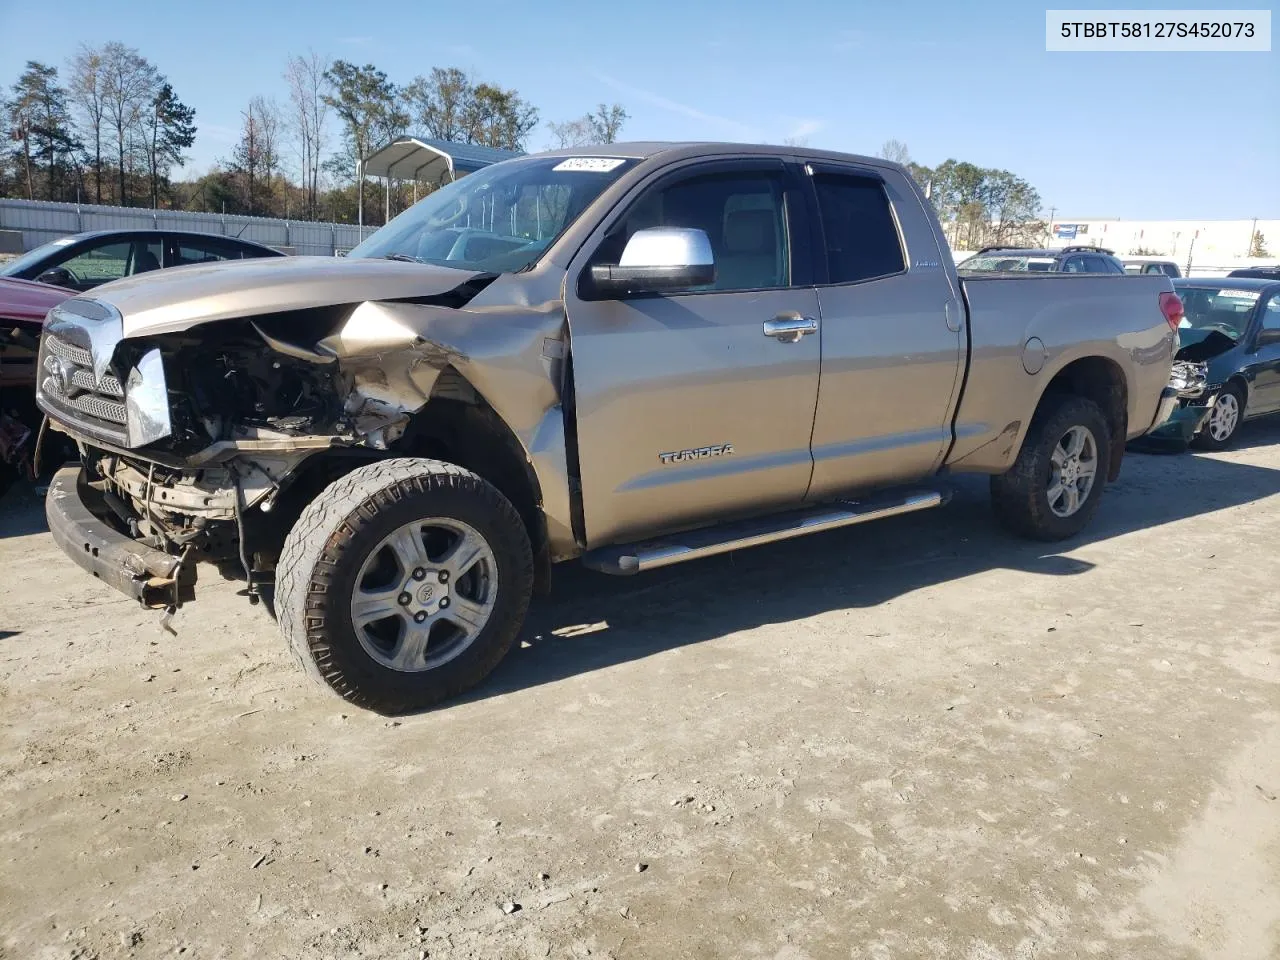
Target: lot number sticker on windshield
[1238, 294]
[589, 164]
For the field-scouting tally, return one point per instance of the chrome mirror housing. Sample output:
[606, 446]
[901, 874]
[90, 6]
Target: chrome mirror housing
[657, 260]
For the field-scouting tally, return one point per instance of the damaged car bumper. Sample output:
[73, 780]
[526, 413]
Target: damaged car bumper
[79, 520]
[1184, 404]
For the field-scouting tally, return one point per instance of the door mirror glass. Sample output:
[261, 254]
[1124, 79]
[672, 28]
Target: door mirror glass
[1268, 336]
[658, 259]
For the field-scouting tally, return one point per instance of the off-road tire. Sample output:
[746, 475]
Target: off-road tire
[1020, 497]
[1204, 440]
[325, 549]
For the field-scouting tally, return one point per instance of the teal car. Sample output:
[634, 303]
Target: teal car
[1231, 326]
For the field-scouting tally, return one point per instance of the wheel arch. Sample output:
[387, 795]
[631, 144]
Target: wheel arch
[459, 426]
[1103, 381]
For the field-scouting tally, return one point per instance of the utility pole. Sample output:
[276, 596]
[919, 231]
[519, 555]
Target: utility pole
[1049, 237]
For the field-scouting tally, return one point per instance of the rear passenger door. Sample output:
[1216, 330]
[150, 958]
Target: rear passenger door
[892, 334]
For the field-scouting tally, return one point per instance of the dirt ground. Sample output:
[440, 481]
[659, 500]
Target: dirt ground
[913, 739]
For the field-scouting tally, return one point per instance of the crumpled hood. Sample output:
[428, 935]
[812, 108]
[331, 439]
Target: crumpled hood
[1199, 345]
[165, 301]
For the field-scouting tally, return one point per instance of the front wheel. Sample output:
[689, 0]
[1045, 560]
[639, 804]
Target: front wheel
[1054, 487]
[1224, 420]
[404, 583]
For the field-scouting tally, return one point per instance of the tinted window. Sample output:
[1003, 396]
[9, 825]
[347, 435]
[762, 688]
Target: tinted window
[1073, 265]
[191, 251]
[1096, 265]
[743, 214]
[858, 228]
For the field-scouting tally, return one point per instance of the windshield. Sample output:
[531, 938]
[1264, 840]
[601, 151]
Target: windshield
[29, 259]
[1224, 309]
[498, 219]
[1003, 263]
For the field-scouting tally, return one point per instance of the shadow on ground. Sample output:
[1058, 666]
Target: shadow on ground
[593, 621]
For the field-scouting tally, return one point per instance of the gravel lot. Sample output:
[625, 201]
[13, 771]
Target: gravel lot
[912, 739]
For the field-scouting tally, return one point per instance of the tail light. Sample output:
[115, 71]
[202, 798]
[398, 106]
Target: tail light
[1171, 307]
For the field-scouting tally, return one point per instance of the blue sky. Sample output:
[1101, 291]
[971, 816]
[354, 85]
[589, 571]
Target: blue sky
[1137, 135]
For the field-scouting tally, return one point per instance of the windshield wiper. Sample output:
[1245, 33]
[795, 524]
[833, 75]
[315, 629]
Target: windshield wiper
[402, 257]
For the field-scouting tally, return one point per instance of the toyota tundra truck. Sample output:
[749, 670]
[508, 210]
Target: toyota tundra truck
[634, 355]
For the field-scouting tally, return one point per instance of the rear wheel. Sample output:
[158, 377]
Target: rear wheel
[1225, 417]
[1054, 487]
[404, 583]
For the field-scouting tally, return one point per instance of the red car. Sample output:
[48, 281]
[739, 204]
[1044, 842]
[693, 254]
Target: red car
[23, 305]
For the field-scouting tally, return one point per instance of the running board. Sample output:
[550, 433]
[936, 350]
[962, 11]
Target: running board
[630, 558]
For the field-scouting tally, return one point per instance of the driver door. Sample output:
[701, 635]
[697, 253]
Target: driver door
[687, 407]
[1264, 365]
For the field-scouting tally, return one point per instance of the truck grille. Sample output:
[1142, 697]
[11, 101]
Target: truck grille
[68, 388]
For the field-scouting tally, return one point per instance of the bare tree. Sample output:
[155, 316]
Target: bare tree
[130, 86]
[88, 93]
[307, 86]
[268, 120]
[602, 126]
[895, 151]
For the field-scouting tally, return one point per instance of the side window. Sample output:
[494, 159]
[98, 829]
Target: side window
[743, 215]
[100, 264]
[146, 256]
[1073, 265]
[861, 238]
[1096, 265]
[191, 251]
[1271, 315]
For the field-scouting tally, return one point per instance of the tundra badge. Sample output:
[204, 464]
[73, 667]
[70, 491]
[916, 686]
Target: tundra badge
[679, 456]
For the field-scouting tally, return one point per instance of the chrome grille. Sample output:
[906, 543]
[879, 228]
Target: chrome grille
[98, 407]
[82, 379]
[68, 389]
[68, 351]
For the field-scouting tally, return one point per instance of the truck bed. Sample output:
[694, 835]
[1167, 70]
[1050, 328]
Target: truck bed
[1026, 328]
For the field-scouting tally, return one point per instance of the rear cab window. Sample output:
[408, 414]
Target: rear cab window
[860, 236]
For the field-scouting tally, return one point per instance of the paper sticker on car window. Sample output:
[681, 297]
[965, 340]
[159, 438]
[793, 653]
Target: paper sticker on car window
[1238, 294]
[589, 164]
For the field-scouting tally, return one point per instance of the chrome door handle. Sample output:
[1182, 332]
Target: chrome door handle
[790, 327]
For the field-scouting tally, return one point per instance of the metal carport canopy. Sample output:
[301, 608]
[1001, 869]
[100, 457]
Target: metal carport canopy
[425, 160]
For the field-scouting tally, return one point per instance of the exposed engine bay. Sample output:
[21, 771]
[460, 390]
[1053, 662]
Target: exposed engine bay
[204, 442]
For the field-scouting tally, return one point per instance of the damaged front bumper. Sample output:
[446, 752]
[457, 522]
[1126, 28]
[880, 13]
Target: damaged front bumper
[1184, 404]
[78, 519]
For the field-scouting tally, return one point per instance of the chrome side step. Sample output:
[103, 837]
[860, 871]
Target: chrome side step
[630, 558]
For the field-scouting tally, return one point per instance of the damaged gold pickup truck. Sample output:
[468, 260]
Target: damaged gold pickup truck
[635, 355]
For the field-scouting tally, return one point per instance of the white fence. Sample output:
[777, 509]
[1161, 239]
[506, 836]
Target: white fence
[40, 221]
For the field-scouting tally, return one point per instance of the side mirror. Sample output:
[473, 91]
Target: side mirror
[56, 276]
[1268, 335]
[656, 260]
